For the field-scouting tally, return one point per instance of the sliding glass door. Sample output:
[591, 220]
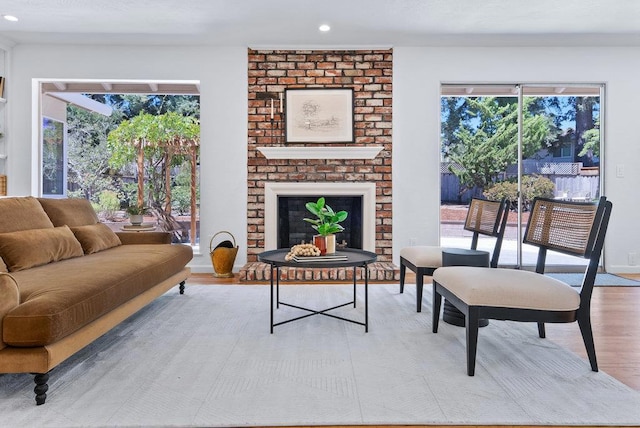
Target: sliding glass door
[517, 141]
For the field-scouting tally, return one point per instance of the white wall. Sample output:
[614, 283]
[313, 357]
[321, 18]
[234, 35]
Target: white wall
[223, 77]
[418, 73]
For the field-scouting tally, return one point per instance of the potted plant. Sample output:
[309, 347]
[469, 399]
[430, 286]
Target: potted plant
[136, 214]
[326, 224]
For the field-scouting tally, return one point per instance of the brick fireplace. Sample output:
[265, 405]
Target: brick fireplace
[336, 168]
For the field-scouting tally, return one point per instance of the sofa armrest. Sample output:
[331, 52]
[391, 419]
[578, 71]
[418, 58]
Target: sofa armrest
[9, 298]
[128, 238]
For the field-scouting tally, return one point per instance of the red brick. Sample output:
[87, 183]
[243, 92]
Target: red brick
[369, 74]
[306, 65]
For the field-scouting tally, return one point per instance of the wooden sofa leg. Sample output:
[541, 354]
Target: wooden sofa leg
[41, 388]
[182, 287]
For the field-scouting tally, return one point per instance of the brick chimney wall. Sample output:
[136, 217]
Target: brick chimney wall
[369, 73]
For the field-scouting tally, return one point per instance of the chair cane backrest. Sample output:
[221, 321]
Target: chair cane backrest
[574, 228]
[566, 227]
[487, 218]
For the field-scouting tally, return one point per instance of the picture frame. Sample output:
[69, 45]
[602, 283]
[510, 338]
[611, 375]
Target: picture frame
[319, 115]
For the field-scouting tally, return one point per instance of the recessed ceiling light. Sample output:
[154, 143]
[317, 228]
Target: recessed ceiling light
[324, 28]
[10, 18]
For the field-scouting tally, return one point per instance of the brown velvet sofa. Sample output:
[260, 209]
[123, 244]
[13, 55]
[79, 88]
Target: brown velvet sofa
[66, 279]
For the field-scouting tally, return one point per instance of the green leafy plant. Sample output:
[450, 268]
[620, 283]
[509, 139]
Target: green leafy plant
[532, 186]
[136, 210]
[108, 204]
[327, 221]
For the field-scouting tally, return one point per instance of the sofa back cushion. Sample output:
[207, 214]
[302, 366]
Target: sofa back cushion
[28, 248]
[71, 212]
[22, 213]
[96, 237]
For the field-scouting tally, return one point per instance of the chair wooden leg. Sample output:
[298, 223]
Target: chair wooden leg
[584, 321]
[403, 271]
[437, 302]
[541, 330]
[472, 340]
[419, 287]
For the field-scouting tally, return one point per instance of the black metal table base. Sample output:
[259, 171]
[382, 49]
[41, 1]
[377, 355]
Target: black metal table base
[321, 311]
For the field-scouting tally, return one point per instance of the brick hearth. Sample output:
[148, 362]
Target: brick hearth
[378, 271]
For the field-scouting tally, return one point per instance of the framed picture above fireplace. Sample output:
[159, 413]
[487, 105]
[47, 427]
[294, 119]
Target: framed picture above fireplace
[319, 115]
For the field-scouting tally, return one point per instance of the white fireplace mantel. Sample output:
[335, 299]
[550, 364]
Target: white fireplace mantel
[320, 152]
[365, 189]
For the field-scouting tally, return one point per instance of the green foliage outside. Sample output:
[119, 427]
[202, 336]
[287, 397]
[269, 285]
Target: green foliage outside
[486, 147]
[167, 141]
[103, 169]
[479, 135]
[181, 192]
[532, 186]
[591, 140]
[108, 204]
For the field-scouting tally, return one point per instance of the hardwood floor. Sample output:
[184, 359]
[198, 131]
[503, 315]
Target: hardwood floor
[615, 314]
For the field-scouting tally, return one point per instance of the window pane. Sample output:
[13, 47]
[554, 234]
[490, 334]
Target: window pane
[53, 163]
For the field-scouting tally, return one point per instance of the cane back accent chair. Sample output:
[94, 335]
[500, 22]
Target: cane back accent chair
[573, 228]
[484, 217]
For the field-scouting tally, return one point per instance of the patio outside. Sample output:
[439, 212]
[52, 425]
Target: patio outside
[452, 234]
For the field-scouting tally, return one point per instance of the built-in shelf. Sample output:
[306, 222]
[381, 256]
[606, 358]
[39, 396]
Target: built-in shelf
[321, 152]
[3, 100]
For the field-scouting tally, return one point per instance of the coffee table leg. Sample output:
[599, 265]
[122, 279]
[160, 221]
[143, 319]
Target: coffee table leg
[366, 298]
[271, 295]
[354, 286]
[277, 286]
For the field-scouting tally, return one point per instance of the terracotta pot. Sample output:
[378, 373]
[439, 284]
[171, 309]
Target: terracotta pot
[326, 244]
[320, 242]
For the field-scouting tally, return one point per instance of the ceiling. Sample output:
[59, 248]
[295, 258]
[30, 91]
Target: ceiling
[294, 23]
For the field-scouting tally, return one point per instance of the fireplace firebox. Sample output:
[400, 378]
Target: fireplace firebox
[293, 230]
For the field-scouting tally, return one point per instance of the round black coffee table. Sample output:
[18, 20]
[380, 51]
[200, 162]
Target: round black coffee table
[346, 257]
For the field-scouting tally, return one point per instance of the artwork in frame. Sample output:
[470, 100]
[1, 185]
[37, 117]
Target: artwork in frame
[319, 115]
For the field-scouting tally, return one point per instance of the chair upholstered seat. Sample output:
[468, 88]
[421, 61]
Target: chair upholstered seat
[487, 218]
[508, 288]
[423, 256]
[572, 228]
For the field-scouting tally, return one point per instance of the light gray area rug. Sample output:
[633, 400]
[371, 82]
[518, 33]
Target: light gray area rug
[206, 358]
[602, 280]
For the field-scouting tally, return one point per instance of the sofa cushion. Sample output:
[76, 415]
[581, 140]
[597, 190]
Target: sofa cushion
[70, 212]
[28, 248]
[95, 237]
[10, 298]
[60, 298]
[21, 214]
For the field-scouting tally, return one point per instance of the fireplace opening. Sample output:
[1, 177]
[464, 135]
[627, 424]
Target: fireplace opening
[293, 230]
